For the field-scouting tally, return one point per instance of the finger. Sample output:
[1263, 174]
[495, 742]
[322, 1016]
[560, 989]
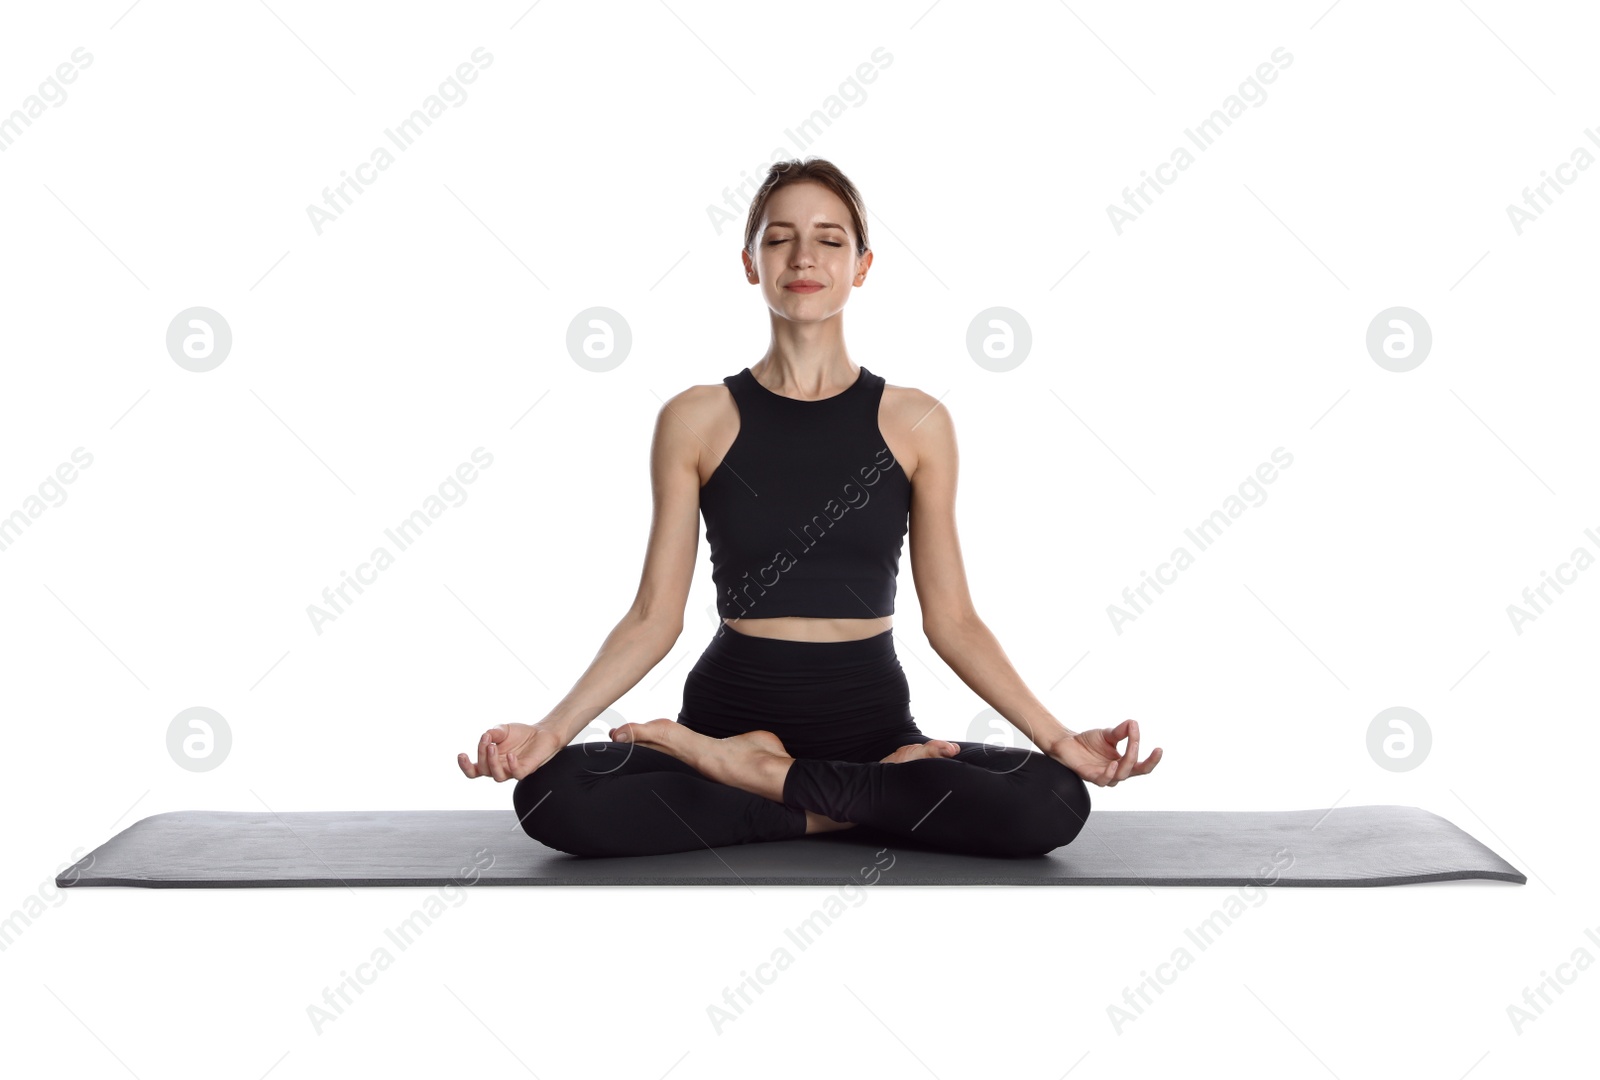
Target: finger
[508, 762]
[1131, 758]
[467, 766]
[497, 762]
[486, 747]
[1148, 763]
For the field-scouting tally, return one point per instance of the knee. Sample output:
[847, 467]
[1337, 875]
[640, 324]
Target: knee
[1070, 794]
[1057, 812]
[547, 801]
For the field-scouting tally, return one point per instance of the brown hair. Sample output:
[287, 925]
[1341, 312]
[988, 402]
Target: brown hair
[823, 172]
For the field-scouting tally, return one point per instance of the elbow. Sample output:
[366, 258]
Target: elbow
[670, 627]
[657, 621]
[943, 629]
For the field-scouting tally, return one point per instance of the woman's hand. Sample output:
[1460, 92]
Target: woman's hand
[1093, 754]
[511, 751]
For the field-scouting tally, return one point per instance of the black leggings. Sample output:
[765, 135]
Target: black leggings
[838, 707]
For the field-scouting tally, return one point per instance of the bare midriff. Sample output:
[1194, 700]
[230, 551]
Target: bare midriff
[795, 628]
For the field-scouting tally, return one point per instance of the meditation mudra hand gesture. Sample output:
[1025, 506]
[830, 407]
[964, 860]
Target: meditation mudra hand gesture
[1093, 754]
[511, 751]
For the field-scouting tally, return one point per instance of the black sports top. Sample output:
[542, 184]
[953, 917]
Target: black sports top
[807, 511]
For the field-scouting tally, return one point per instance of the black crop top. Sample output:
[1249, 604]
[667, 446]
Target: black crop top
[806, 512]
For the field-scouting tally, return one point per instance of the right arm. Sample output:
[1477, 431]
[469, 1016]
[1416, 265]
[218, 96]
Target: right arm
[653, 622]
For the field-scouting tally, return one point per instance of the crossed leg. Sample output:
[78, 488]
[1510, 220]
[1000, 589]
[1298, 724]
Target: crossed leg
[629, 798]
[954, 796]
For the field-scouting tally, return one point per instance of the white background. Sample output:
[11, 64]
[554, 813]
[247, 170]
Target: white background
[581, 170]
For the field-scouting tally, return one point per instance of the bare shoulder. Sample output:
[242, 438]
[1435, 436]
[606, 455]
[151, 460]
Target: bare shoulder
[702, 401]
[700, 423]
[916, 425]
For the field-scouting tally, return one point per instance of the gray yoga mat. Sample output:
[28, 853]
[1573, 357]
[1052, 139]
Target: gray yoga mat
[1352, 845]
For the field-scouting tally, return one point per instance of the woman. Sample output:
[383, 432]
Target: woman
[796, 717]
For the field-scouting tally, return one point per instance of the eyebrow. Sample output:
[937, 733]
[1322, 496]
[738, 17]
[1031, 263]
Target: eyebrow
[791, 225]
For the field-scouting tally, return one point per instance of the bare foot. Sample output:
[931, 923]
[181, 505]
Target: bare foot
[931, 748]
[754, 761]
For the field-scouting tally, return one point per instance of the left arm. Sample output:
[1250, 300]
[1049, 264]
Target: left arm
[956, 632]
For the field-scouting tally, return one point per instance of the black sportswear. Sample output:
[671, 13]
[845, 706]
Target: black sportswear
[807, 512]
[848, 700]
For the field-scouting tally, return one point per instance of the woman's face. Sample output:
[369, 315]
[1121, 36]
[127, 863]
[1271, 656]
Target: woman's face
[806, 236]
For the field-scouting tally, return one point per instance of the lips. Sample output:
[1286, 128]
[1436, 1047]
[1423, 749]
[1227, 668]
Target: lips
[804, 286]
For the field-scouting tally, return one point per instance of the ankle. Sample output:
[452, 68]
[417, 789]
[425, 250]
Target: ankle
[773, 768]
